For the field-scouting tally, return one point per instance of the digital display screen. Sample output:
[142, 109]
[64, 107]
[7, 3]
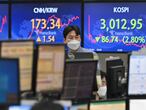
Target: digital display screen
[3, 21]
[114, 27]
[137, 75]
[22, 107]
[9, 82]
[108, 105]
[137, 104]
[78, 81]
[50, 67]
[44, 22]
[24, 51]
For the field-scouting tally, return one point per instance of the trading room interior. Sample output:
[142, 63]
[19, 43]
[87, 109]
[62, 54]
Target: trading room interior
[74, 54]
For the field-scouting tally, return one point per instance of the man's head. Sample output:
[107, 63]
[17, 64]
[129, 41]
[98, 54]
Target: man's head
[72, 37]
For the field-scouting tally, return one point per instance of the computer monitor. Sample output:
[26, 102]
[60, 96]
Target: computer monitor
[79, 107]
[20, 107]
[78, 81]
[83, 56]
[24, 50]
[50, 67]
[108, 105]
[115, 73]
[4, 21]
[115, 77]
[137, 104]
[137, 75]
[9, 81]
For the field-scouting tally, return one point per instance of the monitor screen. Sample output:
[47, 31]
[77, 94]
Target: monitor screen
[20, 107]
[137, 104]
[50, 67]
[9, 81]
[119, 27]
[108, 105]
[79, 79]
[23, 50]
[44, 22]
[137, 75]
[79, 107]
[4, 22]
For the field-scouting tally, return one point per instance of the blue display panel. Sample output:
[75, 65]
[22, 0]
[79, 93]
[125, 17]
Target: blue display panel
[3, 21]
[115, 27]
[22, 107]
[9, 81]
[44, 22]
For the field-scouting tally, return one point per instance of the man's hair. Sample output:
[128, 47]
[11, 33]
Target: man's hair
[71, 28]
[47, 105]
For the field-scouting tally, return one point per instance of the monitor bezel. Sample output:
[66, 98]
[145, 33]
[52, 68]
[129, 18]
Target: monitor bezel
[141, 96]
[18, 89]
[36, 63]
[114, 69]
[33, 59]
[80, 100]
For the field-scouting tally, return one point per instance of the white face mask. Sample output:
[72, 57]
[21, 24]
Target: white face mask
[102, 91]
[74, 44]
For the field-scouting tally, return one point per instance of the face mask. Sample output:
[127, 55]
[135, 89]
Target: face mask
[102, 91]
[73, 44]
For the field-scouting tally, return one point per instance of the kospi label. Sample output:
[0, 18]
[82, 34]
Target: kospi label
[121, 9]
[45, 10]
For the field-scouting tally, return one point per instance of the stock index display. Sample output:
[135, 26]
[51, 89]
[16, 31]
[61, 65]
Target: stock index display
[44, 22]
[115, 27]
[3, 21]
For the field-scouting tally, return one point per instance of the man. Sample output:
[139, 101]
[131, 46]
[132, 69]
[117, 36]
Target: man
[73, 40]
